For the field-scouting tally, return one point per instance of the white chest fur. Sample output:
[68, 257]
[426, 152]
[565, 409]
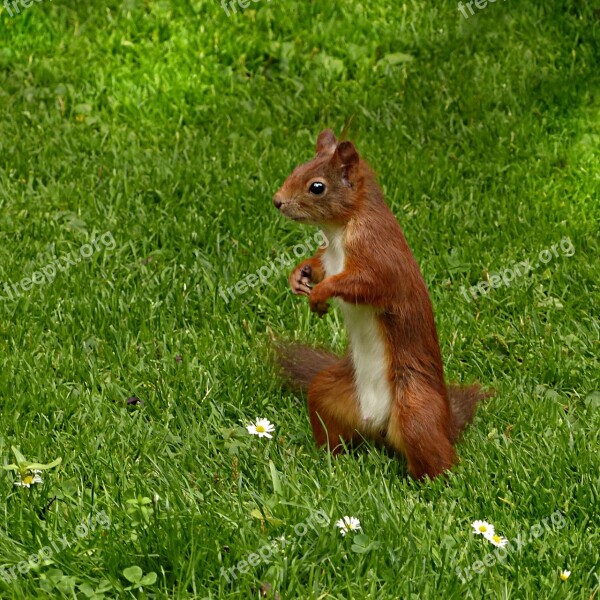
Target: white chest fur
[367, 345]
[334, 256]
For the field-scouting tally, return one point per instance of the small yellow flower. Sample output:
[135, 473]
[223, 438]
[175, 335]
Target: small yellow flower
[482, 528]
[27, 472]
[497, 540]
[565, 575]
[30, 479]
[262, 428]
[348, 524]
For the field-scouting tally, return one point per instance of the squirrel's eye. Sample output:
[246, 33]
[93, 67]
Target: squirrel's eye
[316, 188]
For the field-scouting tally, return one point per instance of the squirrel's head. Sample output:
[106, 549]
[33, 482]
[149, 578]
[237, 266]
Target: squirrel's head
[323, 190]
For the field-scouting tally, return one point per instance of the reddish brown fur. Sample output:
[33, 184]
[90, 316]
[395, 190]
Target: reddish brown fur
[379, 271]
[333, 406]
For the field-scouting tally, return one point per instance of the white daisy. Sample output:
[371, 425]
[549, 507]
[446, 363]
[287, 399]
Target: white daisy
[348, 524]
[262, 428]
[31, 478]
[496, 539]
[482, 528]
[565, 575]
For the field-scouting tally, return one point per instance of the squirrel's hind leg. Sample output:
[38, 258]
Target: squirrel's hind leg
[333, 406]
[419, 429]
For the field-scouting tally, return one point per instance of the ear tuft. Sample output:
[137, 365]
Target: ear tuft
[326, 142]
[347, 154]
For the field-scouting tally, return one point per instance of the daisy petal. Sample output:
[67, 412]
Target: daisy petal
[262, 428]
[565, 575]
[497, 540]
[348, 524]
[482, 528]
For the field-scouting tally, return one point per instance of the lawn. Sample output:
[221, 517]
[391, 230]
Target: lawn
[141, 143]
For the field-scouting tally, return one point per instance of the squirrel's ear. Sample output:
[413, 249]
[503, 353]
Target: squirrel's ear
[346, 154]
[326, 142]
[347, 158]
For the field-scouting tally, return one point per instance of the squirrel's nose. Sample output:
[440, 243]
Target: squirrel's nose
[277, 201]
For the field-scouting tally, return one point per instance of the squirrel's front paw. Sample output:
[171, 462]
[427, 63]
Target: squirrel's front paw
[300, 279]
[318, 299]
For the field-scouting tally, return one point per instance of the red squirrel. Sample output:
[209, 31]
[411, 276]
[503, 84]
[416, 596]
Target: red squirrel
[389, 387]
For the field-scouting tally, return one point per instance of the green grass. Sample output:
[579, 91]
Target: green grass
[170, 126]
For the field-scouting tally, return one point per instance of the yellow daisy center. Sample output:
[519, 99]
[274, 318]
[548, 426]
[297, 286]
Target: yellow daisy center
[482, 528]
[564, 576]
[496, 539]
[260, 428]
[28, 479]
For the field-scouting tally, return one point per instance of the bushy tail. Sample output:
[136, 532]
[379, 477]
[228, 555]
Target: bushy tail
[463, 403]
[299, 364]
